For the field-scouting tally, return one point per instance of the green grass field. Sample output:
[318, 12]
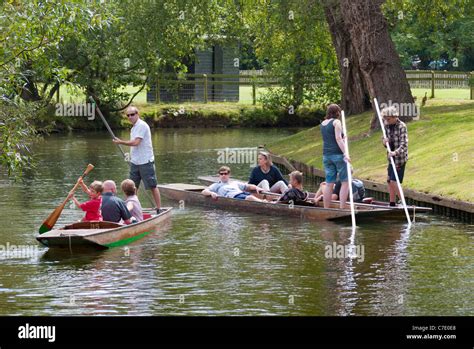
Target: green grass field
[441, 145]
[70, 95]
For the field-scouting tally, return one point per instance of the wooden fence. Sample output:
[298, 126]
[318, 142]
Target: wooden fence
[217, 87]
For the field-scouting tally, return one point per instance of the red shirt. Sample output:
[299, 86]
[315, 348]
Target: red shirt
[92, 209]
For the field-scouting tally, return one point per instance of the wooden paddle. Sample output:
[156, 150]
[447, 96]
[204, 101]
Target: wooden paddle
[49, 223]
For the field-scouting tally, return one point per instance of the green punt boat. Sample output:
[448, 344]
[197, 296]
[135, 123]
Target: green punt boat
[103, 234]
[395, 212]
[190, 193]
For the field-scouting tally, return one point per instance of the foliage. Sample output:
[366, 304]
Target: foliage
[294, 45]
[433, 30]
[17, 133]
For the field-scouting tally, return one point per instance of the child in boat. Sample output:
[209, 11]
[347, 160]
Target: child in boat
[91, 207]
[295, 194]
[131, 199]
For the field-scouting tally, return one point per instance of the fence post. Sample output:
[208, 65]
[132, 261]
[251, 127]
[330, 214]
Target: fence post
[471, 84]
[254, 92]
[157, 92]
[432, 84]
[205, 87]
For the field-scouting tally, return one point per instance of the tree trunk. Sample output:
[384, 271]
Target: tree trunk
[298, 80]
[378, 60]
[355, 96]
[29, 91]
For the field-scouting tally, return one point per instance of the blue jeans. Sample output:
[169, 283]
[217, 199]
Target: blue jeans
[241, 196]
[334, 165]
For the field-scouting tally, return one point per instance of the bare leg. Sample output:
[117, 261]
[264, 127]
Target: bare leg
[343, 194]
[253, 198]
[393, 190]
[327, 193]
[156, 196]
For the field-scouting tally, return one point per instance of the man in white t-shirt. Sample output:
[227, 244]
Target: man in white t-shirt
[142, 159]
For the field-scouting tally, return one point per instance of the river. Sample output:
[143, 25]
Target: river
[213, 262]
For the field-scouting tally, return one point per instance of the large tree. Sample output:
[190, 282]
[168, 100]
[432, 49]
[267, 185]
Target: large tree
[355, 97]
[363, 44]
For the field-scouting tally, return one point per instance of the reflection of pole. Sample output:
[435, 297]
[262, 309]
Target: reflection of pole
[348, 165]
[392, 162]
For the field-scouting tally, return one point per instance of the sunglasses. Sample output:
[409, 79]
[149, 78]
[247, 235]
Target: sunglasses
[132, 114]
[223, 173]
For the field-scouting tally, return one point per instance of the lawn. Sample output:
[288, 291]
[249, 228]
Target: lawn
[441, 145]
[72, 95]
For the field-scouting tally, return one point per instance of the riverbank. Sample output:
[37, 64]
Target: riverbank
[225, 114]
[440, 149]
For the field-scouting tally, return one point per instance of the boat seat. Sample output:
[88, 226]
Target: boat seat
[93, 225]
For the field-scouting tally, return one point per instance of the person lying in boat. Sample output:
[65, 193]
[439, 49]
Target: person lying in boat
[114, 209]
[91, 207]
[295, 194]
[131, 200]
[235, 190]
[358, 191]
[267, 176]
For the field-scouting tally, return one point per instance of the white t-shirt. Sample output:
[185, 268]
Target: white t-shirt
[142, 153]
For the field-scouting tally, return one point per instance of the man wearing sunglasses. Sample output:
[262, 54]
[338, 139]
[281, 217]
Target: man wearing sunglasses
[142, 159]
[234, 190]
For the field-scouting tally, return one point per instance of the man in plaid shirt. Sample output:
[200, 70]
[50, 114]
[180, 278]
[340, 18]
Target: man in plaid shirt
[397, 138]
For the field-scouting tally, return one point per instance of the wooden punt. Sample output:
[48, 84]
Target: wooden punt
[396, 211]
[190, 193]
[103, 234]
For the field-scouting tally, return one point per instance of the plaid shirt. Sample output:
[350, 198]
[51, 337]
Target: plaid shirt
[398, 138]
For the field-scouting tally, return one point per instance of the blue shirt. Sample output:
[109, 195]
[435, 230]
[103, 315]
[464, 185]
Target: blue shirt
[330, 146]
[113, 208]
[272, 176]
[228, 190]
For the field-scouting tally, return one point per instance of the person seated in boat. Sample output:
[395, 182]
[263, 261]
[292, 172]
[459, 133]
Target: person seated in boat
[91, 207]
[267, 176]
[114, 209]
[131, 200]
[295, 194]
[358, 191]
[235, 190]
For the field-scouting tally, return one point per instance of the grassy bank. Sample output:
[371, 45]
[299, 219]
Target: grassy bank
[218, 114]
[441, 145]
[225, 114]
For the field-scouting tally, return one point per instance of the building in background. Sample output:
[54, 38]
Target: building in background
[214, 60]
